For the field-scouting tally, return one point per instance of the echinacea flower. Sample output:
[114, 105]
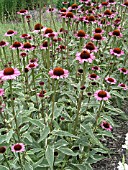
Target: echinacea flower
[81, 34]
[123, 70]
[74, 7]
[123, 86]
[51, 10]
[9, 73]
[97, 37]
[84, 1]
[91, 47]
[10, 33]
[26, 36]
[98, 30]
[42, 93]
[96, 68]
[18, 147]
[102, 95]
[2, 149]
[3, 43]
[125, 4]
[44, 45]
[117, 52]
[58, 72]
[109, 14]
[22, 12]
[105, 125]
[38, 27]
[116, 33]
[111, 2]
[31, 66]
[85, 56]
[1, 92]
[91, 19]
[16, 45]
[28, 47]
[93, 76]
[110, 80]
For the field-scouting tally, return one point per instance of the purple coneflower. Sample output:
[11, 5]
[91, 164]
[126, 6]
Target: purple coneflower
[38, 27]
[84, 1]
[9, 73]
[102, 95]
[98, 30]
[116, 33]
[10, 33]
[58, 72]
[125, 4]
[93, 76]
[51, 10]
[44, 45]
[26, 36]
[123, 86]
[3, 43]
[105, 125]
[85, 56]
[28, 47]
[31, 65]
[16, 45]
[97, 37]
[117, 52]
[22, 12]
[110, 80]
[18, 147]
[91, 47]
[81, 34]
[96, 68]
[123, 70]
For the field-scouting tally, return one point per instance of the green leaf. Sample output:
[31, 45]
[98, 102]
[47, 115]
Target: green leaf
[50, 156]
[3, 168]
[36, 122]
[44, 134]
[63, 133]
[60, 142]
[28, 166]
[115, 93]
[67, 151]
[87, 128]
[9, 135]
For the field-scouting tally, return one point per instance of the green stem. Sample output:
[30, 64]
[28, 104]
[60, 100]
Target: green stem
[7, 162]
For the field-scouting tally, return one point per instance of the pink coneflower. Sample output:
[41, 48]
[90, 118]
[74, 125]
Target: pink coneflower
[117, 52]
[16, 45]
[33, 60]
[1, 92]
[2, 149]
[26, 36]
[69, 15]
[23, 54]
[65, 2]
[28, 47]
[109, 14]
[9, 73]
[93, 76]
[61, 48]
[62, 10]
[116, 33]
[44, 45]
[10, 33]
[98, 30]
[123, 70]
[42, 93]
[85, 56]
[104, 4]
[81, 34]
[58, 72]
[97, 37]
[102, 95]
[51, 35]
[105, 125]
[96, 68]
[3, 43]
[111, 2]
[84, 1]
[48, 30]
[91, 19]
[22, 12]
[31, 65]
[38, 27]
[74, 7]
[91, 47]
[18, 147]
[124, 86]
[125, 4]
[110, 80]
[51, 10]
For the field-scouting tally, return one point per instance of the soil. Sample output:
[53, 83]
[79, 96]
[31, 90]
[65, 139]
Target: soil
[111, 163]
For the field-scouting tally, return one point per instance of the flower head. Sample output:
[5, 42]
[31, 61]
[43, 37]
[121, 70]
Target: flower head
[97, 37]
[10, 33]
[81, 34]
[22, 12]
[123, 70]
[31, 65]
[91, 47]
[16, 45]
[105, 125]
[9, 73]
[110, 80]
[3, 43]
[117, 52]
[102, 95]
[123, 86]
[116, 33]
[58, 72]
[93, 76]
[18, 147]
[85, 56]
